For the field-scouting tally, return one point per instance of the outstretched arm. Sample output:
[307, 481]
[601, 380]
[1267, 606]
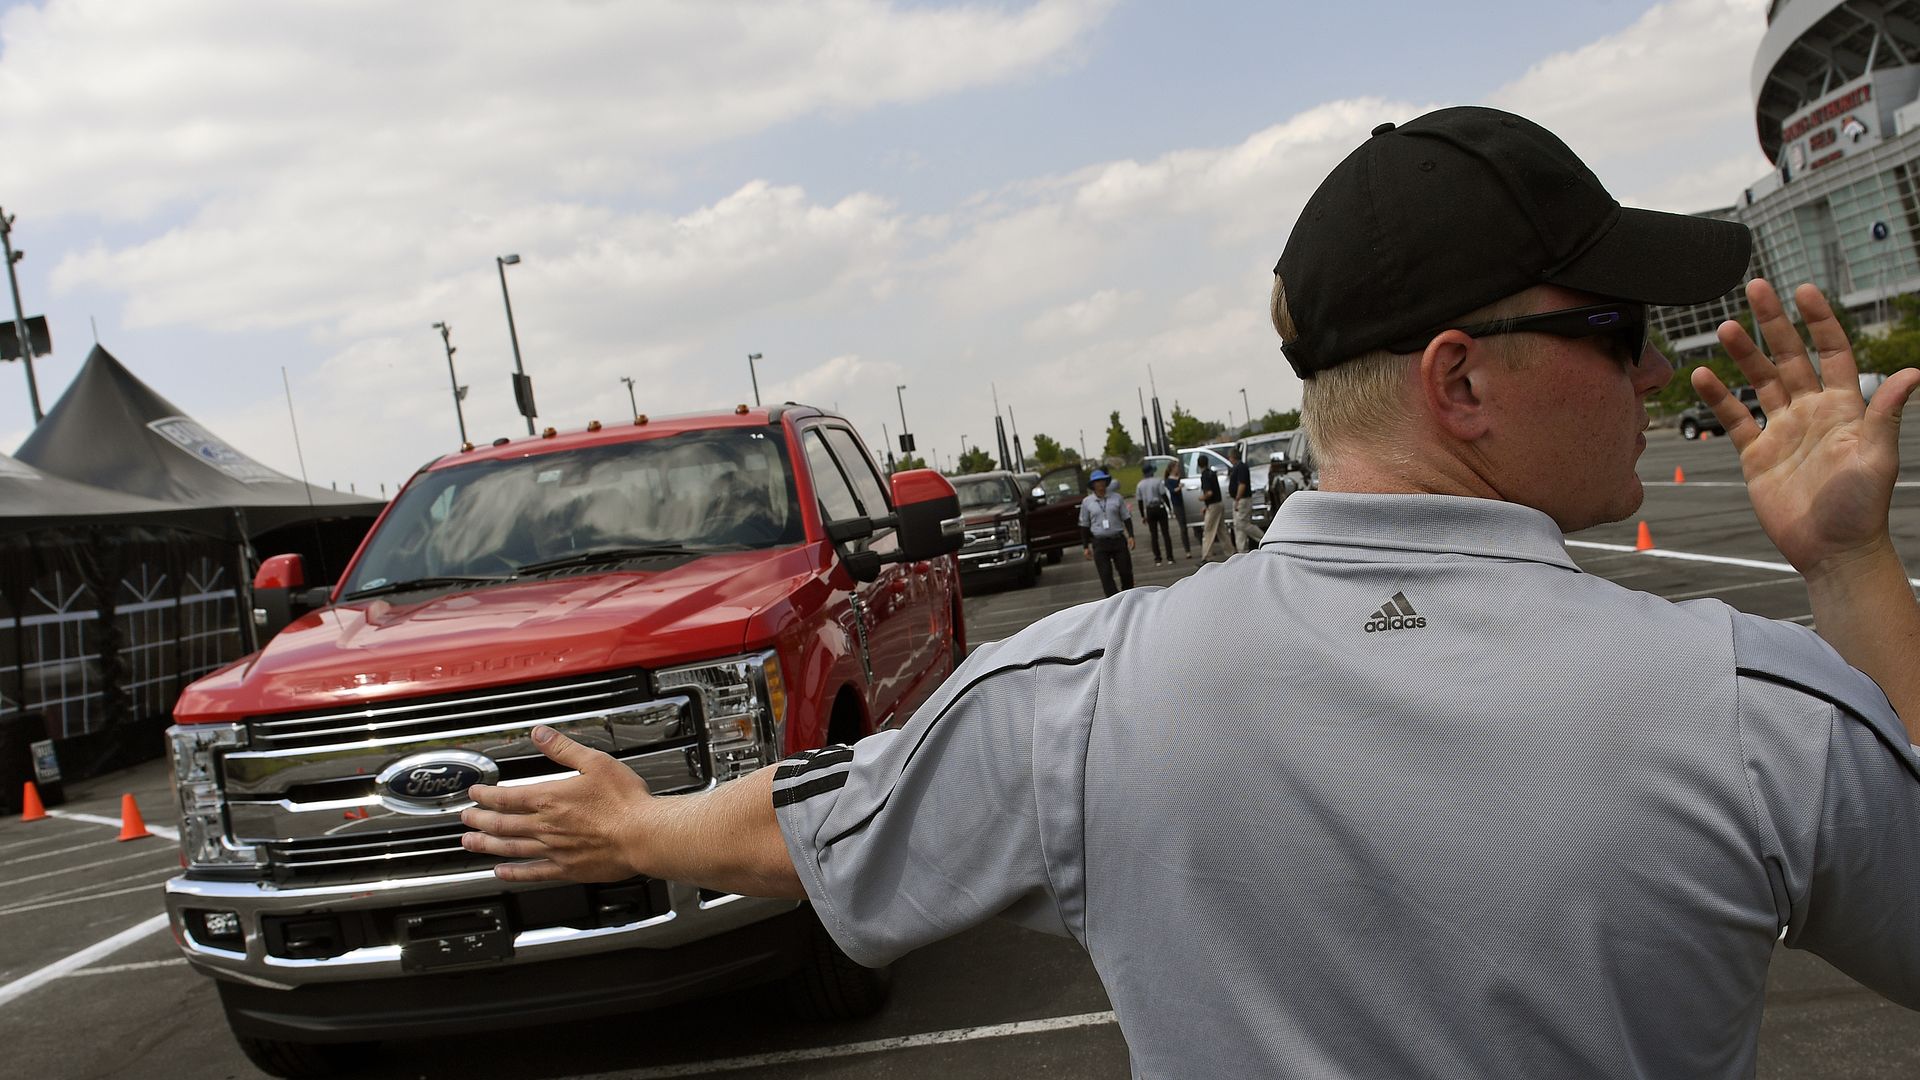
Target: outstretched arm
[603, 825]
[1821, 478]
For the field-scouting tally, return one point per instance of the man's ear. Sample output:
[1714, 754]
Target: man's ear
[1452, 375]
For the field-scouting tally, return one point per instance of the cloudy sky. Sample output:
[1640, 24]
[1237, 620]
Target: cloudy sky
[1043, 197]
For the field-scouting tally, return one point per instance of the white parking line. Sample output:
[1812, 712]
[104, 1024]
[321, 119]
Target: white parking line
[26, 983]
[41, 839]
[51, 854]
[96, 819]
[116, 969]
[87, 866]
[82, 895]
[1691, 556]
[904, 1042]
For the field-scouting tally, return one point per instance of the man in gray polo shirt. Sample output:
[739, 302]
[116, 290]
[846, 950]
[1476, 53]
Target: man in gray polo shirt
[1505, 818]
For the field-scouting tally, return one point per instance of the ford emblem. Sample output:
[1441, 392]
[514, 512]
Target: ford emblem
[434, 781]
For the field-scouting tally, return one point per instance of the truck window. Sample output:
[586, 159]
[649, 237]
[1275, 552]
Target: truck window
[724, 489]
[866, 482]
[829, 485]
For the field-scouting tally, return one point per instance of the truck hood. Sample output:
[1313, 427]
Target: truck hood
[991, 514]
[404, 646]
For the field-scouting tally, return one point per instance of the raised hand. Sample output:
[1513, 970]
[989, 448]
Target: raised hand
[1821, 474]
[577, 829]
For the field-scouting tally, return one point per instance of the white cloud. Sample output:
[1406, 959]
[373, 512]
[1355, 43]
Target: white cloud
[289, 178]
[132, 107]
[1082, 317]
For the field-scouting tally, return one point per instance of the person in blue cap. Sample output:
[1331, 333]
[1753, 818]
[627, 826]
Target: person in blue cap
[1106, 531]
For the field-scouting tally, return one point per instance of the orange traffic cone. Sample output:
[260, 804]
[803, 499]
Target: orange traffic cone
[132, 825]
[1679, 475]
[1644, 542]
[1706, 435]
[30, 808]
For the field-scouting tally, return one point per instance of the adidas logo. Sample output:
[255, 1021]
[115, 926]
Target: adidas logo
[1395, 614]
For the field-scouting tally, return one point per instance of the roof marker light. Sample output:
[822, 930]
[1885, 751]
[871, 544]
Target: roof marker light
[593, 425]
[549, 433]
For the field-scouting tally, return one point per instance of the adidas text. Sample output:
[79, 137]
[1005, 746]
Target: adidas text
[1396, 614]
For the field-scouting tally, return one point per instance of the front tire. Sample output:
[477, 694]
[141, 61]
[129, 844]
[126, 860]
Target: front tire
[830, 986]
[1053, 557]
[1689, 429]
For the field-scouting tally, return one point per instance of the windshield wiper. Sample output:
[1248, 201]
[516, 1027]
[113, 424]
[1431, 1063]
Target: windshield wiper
[620, 554]
[433, 582]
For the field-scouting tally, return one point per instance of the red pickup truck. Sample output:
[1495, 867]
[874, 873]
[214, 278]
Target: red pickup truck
[698, 596]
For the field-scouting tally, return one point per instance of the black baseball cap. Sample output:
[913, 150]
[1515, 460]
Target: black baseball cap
[1433, 218]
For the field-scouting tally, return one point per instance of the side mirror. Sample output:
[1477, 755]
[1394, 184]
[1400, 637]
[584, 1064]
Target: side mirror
[281, 595]
[1039, 492]
[926, 519]
[926, 512]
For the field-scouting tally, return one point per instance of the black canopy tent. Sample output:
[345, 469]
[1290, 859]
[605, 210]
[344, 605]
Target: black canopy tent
[113, 431]
[129, 534]
[109, 604]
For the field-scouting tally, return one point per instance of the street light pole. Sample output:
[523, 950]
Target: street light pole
[19, 316]
[751, 374]
[501, 262]
[898, 398]
[459, 392]
[628, 379]
[1243, 404]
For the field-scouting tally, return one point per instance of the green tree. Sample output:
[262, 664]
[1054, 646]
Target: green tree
[975, 460]
[1900, 347]
[1189, 430]
[1120, 444]
[909, 461]
[1279, 421]
[1046, 452]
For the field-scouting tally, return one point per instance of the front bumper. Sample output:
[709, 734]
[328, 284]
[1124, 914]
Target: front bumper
[1011, 557]
[552, 991]
[668, 916]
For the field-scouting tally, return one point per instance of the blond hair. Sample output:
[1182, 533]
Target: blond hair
[1363, 401]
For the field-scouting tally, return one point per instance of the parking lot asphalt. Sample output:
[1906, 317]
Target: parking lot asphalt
[998, 1001]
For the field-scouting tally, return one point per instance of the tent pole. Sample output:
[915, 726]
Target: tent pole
[19, 318]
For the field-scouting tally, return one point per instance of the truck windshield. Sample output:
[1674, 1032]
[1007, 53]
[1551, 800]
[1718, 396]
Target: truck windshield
[724, 490]
[1259, 452]
[982, 494]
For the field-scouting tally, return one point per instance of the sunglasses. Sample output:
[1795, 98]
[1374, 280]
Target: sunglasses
[1626, 323]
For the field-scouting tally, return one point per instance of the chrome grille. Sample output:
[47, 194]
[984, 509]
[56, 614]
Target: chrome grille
[304, 790]
[404, 853]
[500, 707]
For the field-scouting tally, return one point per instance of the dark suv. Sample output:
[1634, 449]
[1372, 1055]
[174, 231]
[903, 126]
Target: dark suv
[1053, 508]
[994, 512]
[1698, 418]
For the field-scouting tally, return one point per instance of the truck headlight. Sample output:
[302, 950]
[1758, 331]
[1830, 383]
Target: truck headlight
[196, 750]
[1011, 531]
[743, 702]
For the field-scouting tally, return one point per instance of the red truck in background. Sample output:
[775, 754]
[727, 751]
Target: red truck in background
[698, 596]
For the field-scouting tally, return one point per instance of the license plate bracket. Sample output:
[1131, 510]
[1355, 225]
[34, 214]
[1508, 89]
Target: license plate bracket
[453, 937]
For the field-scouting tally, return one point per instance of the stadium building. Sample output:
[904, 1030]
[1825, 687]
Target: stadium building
[1836, 104]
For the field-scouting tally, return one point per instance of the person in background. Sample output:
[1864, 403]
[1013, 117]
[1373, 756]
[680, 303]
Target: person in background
[1106, 527]
[1177, 502]
[1213, 509]
[1240, 486]
[1150, 498]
